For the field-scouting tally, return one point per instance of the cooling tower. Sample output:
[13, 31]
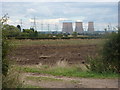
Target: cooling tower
[90, 27]
[67, 27]
[79, 27]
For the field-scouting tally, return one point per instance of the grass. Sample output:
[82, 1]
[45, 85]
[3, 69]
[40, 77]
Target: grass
[42, 78]
[68, 71]
[12, 80]
[58, 42]
[63, 71]
[30, 86]
[74, 81]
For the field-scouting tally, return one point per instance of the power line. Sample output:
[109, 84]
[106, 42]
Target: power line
[42, 26]
[56, 27]
[21, 23]
[34, 23]
[48, 27]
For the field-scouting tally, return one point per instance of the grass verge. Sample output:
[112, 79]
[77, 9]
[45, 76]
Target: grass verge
[42, 78]
[30, 86]
[67, 71]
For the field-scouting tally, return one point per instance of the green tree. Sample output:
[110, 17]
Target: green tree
[10, 31]
[28, 31]
[19, 27]
[35, 34]
[74, 34]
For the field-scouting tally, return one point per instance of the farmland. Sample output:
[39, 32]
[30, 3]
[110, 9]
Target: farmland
[59, 63]
[52, 51]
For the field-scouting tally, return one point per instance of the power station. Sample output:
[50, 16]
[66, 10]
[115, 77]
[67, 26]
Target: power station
[79, 27]
[90, 27]
[67, 27]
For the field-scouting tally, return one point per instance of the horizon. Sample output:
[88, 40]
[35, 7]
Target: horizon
[54, 13]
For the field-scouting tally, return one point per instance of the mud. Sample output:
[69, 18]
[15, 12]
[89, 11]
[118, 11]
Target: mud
[46, 54]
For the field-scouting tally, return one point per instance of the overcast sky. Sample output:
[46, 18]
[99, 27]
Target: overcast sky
[101, 13]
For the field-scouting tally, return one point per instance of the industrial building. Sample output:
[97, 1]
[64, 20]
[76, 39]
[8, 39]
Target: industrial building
[79, 27]
[90, 27]
[67, 27]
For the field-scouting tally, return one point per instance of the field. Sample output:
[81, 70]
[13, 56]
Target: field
[52, 51]
[59, 63]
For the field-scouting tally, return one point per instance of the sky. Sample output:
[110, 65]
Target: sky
[50, 15]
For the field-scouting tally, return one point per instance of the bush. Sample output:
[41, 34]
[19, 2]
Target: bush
[96, 65]
[107, 61]
[5, 64]
[12, 79]
[111, 53]
[9, 75]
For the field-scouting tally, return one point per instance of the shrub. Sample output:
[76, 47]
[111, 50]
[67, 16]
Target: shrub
[9, 75]
[108, 60]
[5, 64]
[12, 79]
[111, 52]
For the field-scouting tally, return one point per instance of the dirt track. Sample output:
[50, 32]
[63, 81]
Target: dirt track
[45, 54]
[69, 82]
[50, 55]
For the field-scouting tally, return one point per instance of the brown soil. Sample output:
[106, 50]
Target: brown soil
[70, 82]
[46, 54]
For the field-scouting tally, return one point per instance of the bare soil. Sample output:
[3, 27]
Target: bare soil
[46, 54]
[70, 82]
[50, 55]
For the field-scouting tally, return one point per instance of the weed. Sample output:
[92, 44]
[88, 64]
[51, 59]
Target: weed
[30, 86]
[69, 71]
[12, 79]
[43, 78]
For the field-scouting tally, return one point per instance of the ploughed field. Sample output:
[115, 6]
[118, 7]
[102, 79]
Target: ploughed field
[57, 64]
[44, 52]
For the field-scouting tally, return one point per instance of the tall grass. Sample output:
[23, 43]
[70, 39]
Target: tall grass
[66, 70]
[12, 79]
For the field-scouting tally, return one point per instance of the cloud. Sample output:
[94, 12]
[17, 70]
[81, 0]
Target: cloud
[60, 0]
[49, 21]
[57, 12]
[31, 10]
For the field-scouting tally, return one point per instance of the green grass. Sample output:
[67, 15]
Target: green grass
[42, 78]
[58, 42]
[30, 86]
[68, 71]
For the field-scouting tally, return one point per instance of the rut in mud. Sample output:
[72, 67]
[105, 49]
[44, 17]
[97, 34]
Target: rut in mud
[67, 82]
[49, 55]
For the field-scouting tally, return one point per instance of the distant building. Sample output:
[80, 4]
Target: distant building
[67, 27]
[90, 27]
[79, 27]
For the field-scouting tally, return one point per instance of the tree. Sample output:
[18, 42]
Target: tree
[28, 31]
[10, 31]
[32, 29]
[19, 27]
[74, 34]
[35, 34]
